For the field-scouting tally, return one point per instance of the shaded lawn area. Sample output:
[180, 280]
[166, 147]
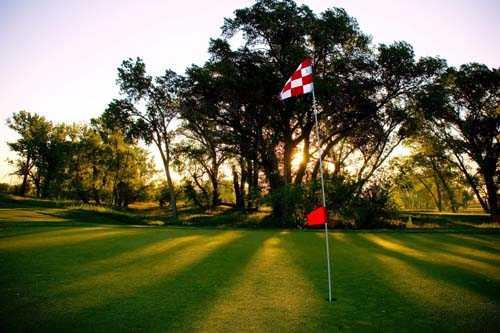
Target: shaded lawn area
[37, 212]
[434, 219]
[163, 278]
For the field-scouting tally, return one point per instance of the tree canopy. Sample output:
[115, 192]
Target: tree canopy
[222, 121]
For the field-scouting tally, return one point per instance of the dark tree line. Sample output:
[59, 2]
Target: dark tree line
[224, 117]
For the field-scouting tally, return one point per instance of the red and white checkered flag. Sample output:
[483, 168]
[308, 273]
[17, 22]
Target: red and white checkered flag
[301, 81]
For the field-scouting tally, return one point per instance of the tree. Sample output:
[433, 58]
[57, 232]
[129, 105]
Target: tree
[203, 145]
[202, 162]
[51, 161]
[427, 178]
[153, 121]
[33, 130]
[362, 93]
[115, 169]
[42, 147]
[463, 112]
[79, 162]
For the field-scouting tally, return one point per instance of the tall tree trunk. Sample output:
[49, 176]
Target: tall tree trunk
[97, 198]
[24, 186]
[214, 178]
[95, 191]
[239, 202]
[38, 187]
[46, 185]
[443, 181]
[429, 190]
[449, 193]
[25, 171]
[173, 199]
[243, 179]
[253, 185]
[472, 182]
[492, 192]
[439, 195]
[165, 157]
[324, 152]
[215, 192]
[206, 197]
[249, 182]
[276, 182]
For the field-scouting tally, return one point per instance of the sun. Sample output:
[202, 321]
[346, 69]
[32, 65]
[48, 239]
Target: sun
[297, 160]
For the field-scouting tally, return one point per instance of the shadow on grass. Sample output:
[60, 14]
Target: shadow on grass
[101, 216]
[361, 303]
[461, 277]
[482, 239]
[123, 272]
[371, 296]
[71, 256]
[56, 238]
[462, 293]
[222, 218]
[445, 220]
[454, 245]
[165, 300]
[10, 201]
[93, 214]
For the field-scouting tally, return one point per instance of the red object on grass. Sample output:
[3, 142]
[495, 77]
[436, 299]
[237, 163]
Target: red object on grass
[317, 217]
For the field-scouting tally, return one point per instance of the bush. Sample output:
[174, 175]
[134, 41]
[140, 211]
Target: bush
[200, 200]
[289, 206]
[370, 208]
[161, 193]
[8, 189]
[373, 208]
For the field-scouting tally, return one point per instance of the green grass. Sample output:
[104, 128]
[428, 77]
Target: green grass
[447, 219]
[29, 210]
[69, 273]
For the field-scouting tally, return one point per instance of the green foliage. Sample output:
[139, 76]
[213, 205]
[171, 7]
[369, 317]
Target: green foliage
[162, 194]
[289, 205]
[224, 114]
[8, 189]
[79, 162]
[371, 207]
[462, 112]
[33, 131]
[200, 156]
[428, 178]
[151, 121]
[363, 93]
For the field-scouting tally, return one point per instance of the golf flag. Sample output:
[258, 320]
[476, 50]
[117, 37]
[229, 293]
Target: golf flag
[301, 81]
[317, 217]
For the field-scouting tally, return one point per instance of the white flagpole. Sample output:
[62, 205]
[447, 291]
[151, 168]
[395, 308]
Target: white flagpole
[324, 200]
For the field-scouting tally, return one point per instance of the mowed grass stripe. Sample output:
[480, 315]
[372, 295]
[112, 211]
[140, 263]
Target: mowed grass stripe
[269, 292]
[60, 237]
[103, 287]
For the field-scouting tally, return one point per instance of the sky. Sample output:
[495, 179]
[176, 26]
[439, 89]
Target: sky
[59, 58]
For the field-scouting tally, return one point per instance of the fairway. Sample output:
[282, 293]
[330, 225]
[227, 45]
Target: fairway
[125, 278]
